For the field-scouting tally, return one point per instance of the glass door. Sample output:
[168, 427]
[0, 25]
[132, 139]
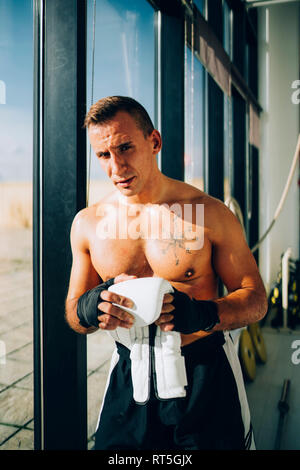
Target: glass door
[16, 137]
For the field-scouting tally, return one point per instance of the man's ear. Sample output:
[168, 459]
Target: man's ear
[156, 141]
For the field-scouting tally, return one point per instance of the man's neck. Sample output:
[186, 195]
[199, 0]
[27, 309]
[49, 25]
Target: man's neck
[153, 193]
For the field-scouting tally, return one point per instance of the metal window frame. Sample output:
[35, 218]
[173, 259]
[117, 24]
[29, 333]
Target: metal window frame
[189, 32]
[215, 17]
[254, 222]
[215, 140]
[171, 88]
[59, 175]
[239, 151]
[169, 84]
[214, 183]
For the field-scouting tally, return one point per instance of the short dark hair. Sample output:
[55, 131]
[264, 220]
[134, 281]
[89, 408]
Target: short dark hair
[106, 108]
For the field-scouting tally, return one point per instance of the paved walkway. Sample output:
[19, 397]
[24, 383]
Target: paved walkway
[16, 348]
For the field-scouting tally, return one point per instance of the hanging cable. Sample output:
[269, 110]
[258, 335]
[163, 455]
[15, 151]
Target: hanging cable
[92, 99]
[283, 197]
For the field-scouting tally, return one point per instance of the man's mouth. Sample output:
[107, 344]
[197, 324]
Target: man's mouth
[124, 183]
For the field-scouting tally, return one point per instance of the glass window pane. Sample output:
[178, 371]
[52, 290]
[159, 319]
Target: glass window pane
[227, 147]
[200, 5]
[194, 135]
[16, 137]
[227, 29]
[124, 65]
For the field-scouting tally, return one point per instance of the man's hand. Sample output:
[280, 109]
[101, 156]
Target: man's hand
[190, 316]
[114, 316]
[166, 317]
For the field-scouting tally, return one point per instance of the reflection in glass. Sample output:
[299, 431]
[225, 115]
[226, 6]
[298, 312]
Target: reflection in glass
[227, 43]
[200, 4]
[194, 135]
[16, 136]
[124, 65]
[227, 29]
[228, 169]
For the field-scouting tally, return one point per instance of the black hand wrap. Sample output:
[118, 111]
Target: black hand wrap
[192, 315]
[87, 306]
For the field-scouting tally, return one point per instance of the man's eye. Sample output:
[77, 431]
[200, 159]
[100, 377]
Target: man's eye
[123, 148]
[103, 155]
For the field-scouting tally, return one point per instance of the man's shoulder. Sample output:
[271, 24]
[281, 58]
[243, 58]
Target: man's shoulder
[180, 191]
[88, 214]
[220, 221]
[194, 195]
[83, 216]
[218, 218]
[84, 222]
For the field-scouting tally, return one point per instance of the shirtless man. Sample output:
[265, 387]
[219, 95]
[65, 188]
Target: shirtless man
[214, 412]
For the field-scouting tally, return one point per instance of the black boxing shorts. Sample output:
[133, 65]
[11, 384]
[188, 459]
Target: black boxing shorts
[214, 414]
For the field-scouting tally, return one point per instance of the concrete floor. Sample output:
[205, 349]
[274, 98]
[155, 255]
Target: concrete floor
[265, 392]
[16, 363]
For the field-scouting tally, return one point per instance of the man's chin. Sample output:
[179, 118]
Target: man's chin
[130, 190]
[127, 191]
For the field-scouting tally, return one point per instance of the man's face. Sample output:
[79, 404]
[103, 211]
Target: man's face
[125, 154]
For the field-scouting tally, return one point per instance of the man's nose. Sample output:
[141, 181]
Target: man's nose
[117, 163]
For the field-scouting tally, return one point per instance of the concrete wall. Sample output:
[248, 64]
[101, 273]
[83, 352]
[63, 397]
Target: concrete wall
[279, 40]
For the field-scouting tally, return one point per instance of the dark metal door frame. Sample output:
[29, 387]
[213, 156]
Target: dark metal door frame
[60, 385]
[239, 151]
[172, 94]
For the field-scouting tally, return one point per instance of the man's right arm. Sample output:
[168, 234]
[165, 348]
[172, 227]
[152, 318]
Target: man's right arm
[84, 278]
[83, 275]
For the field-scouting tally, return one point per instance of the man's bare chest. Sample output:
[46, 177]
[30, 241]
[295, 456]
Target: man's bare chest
[170, 258]
[155, 242]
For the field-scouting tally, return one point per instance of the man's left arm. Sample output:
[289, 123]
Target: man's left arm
[246, 301]
[234, 264]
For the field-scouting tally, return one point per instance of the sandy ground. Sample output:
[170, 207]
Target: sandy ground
[16, 347]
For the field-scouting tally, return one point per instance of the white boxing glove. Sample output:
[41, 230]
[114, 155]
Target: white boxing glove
[147, 294]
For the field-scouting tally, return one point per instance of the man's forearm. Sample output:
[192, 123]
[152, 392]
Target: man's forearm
[73, 320]
[240, 308]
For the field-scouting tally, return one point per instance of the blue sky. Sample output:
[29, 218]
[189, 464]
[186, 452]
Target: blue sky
[124, 54]
[124, 64]
[16, 71]
[16, 45]
[124, 50]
